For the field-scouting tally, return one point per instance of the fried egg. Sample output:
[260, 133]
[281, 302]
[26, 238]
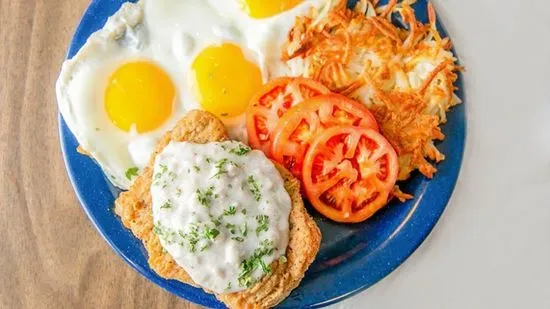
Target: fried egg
[155, 60]
[263, 27]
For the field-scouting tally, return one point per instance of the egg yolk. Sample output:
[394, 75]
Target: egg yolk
[139, 94]
[225, 80]
[263, 9]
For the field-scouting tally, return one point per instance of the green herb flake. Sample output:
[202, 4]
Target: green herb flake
[244, 229]
[157, 229]
[263, 222]
[132, 172]
[164, 233]
[282, 259]
[266, 269]
[166, 205]
[192, 237]
[254, 188]
[232, 228]
[238, 238]
[211, 233]
[232, 210]
[197, 168]
[221, 167]
[216, 221]
[248, 266]
[205, 198]
[228, 287]
[240, 150]
[243, 211]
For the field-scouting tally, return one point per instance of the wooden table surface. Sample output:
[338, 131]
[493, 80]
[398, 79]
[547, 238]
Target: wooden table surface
[52, 257]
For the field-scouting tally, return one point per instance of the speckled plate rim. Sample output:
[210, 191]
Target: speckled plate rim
[361, 270]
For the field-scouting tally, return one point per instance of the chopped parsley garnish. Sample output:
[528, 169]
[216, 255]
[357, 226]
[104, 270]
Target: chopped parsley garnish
[228, 287]
[166, 205]
[208, 160]
[263, 222]
[230, 211]
[231, 228]
[179, 191]
[220, 166]
[238, 238]
[132, 172]
[164, 233]
[216, 221]
[244, 229]
[240, 150]
[163, 170]
[200, 237]
[205, 198]
[211, 233]
[282, 259]
[192, 237]
[243, 211]
[254, 188]
[248, 266]
[158, 229]
[265, 268]
[197, 168]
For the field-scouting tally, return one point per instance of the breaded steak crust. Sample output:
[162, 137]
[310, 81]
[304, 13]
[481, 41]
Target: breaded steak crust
[135, 210]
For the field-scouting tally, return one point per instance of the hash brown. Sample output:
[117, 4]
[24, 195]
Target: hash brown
[405, 76]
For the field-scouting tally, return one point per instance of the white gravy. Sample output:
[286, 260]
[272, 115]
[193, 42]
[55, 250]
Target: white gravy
[221, 211]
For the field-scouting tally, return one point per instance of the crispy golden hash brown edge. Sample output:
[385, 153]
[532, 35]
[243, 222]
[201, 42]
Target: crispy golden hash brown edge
[135, 210]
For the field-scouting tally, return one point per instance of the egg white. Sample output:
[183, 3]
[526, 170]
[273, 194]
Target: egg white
[266, 36]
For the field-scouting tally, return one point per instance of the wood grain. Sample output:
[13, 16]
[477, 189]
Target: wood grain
[51, 256]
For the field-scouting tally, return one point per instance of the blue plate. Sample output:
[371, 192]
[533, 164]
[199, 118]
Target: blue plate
[352, 257]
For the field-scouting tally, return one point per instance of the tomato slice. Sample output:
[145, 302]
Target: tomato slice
[349, 172]
[271, 102]
[297, 128]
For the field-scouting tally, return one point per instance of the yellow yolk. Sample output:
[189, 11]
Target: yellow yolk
[139, 94]
[225, 80]
[263, 8]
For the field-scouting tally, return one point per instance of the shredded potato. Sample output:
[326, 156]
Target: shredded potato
[405, 77]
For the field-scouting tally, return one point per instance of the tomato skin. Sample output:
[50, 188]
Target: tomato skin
[349, 172]
[271, 102]
[299, 126]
